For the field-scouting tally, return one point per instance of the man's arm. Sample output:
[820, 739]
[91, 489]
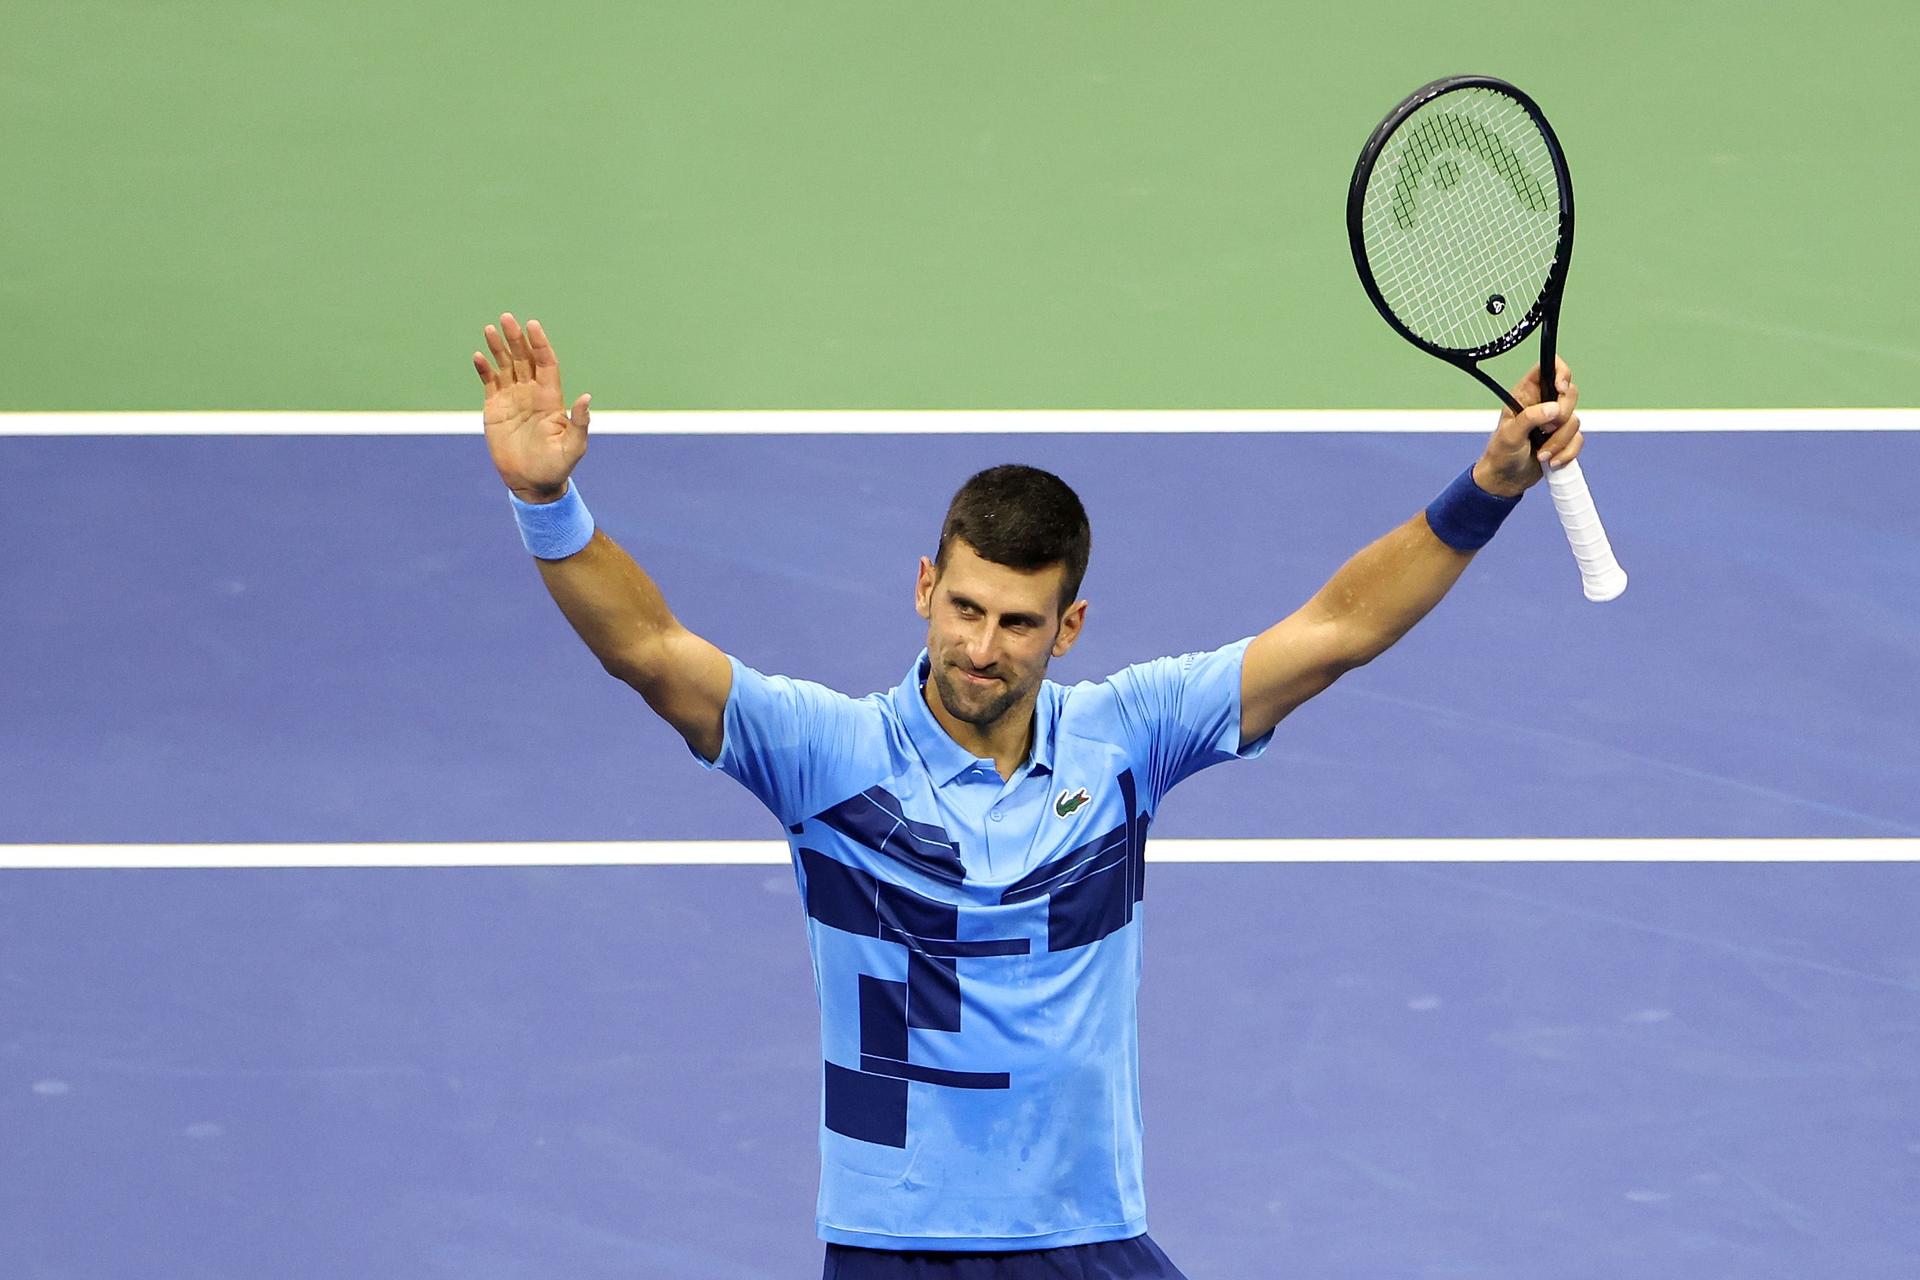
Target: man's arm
[620, 614]
[610, 601]
[1379, 594]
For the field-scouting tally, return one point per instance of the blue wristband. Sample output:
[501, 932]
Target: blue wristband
[1465, 516]
[554, 530]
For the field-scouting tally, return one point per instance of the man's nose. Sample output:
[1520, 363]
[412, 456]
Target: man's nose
[980, 646]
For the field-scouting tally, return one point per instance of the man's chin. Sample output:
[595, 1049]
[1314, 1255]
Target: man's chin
[978, 708]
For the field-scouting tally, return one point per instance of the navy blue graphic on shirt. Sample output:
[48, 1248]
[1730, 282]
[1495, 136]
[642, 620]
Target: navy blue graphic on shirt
[870, 1104]
[875, 818]
[1091, 890]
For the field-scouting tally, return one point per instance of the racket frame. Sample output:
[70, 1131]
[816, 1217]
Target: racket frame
[1601, 576]
[1545, 312]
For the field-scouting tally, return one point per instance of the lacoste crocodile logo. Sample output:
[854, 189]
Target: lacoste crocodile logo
[1069, 803]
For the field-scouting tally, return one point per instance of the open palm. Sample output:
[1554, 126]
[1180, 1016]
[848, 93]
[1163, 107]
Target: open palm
[535, 443]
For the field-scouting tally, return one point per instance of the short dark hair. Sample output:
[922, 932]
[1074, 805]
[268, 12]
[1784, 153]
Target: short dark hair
[1024, 518]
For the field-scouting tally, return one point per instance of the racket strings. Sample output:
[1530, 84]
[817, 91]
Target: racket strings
[1461, 219]
[1445, 132]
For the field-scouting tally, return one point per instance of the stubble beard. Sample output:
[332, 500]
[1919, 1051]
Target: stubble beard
[973, 707]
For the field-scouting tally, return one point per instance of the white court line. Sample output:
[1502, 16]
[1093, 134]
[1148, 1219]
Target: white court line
[853, 422]
[710, 853]
[732, 422]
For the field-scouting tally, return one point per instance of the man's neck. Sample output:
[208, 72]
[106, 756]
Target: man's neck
[1006, 741]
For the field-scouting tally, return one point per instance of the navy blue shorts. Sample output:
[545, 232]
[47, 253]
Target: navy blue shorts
[1135, 1259]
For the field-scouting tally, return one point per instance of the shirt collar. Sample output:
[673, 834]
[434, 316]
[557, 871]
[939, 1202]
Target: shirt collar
[947, 759]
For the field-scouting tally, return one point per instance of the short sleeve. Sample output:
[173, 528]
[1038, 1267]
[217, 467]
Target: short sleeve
[1183, 714]
[789, 741]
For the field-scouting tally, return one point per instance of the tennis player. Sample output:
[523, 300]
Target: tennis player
[969, 844]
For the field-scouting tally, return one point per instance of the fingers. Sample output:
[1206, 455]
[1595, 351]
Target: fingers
[1517, 428]
[1538, 414]
[1527, 390]
[539, 350]
[546, 365]
[518, 347]
[502, 359]
[1546, 433]
[519, 355]
[512, 352]
[1563, 446]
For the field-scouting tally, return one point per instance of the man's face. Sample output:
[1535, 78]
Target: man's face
[991, 631]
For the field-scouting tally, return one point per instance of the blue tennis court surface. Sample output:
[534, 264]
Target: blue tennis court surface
[1663, 1070]
[340, 638]
[1512, 1071]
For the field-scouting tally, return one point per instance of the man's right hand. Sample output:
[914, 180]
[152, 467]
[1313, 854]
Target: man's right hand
[535, 444]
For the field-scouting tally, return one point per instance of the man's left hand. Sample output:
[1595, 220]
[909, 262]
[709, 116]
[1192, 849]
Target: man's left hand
[1513, 463]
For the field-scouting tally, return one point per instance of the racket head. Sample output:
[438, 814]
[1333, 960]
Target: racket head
[1460, 218]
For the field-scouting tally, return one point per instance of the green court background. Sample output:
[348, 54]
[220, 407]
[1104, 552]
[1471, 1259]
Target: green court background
[217, 204]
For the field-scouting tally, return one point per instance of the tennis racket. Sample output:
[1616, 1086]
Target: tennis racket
[1461, 220]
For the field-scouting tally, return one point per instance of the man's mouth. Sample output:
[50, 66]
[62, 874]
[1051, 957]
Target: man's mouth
[977, 679]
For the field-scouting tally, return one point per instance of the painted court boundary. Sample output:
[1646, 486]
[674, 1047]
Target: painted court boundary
[730, 422]
[941, 422]
[713, 853]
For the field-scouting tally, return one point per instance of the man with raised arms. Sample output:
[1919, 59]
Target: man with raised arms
[969, 844]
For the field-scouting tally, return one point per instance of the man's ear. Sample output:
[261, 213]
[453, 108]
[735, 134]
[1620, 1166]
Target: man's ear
[1070, 623]
[923, 589]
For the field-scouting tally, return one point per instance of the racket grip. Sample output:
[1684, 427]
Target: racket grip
[1600, 574]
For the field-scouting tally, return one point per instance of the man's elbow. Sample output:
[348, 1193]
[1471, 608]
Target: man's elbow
[1358, 656]
[644, 665]
[1343, 647]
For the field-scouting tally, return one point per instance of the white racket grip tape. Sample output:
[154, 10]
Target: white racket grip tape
[1600, 574]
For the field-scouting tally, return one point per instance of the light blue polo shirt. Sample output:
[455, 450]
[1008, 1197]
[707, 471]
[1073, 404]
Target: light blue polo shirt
[976, 942]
